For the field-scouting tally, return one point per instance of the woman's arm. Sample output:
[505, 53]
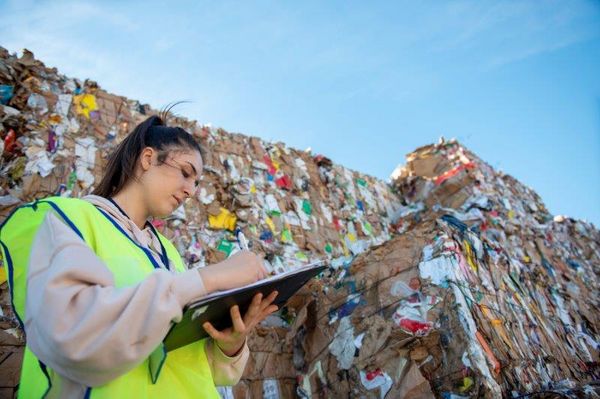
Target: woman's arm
[226, 370]
[79, 324]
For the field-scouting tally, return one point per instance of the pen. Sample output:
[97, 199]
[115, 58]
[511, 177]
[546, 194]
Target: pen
[242, 239]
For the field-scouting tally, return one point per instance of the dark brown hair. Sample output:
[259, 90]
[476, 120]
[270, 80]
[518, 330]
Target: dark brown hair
[150, 133]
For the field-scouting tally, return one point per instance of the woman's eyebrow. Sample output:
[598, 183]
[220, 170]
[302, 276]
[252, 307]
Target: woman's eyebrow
[193, 167]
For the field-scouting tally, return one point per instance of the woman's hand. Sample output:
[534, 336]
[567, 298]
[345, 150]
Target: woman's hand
[232, 339]
[242, 268]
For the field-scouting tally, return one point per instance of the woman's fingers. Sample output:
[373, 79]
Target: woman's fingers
[269, 300]
[254, 309]
[261, 316]
[271, 309]
[236, 319]
[259, 310]
[213, 332]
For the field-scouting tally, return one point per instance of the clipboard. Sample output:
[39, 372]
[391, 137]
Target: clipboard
[215, 307]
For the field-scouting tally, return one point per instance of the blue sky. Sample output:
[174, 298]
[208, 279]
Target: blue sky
[364, 83]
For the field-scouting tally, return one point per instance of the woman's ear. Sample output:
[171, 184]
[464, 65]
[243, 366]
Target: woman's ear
[147, 157]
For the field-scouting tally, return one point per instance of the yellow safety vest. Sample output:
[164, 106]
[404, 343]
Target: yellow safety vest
[184, 372]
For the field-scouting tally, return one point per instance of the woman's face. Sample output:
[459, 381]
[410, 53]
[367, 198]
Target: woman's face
[167, 185]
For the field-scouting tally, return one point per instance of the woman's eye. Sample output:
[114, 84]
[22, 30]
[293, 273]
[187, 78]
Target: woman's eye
[185, 174]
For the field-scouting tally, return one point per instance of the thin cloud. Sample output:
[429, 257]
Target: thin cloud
[496, 34]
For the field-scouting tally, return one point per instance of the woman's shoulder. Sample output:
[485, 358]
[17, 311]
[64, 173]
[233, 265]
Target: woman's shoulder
[67, 202]
[33, 212]
[76, 213]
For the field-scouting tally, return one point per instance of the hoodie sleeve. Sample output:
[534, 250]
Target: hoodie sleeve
[226, 370]
[82, 326]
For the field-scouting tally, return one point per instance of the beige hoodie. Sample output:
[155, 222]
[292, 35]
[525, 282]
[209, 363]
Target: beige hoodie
[90, 332]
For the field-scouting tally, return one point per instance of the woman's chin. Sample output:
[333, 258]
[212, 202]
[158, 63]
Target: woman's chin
[164, 212]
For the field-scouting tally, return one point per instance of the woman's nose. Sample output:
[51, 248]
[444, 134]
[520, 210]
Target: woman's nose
[189, 190]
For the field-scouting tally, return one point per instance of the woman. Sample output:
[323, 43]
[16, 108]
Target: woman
[103, 287]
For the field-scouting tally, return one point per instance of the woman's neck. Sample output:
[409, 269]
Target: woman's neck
[132, 203]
